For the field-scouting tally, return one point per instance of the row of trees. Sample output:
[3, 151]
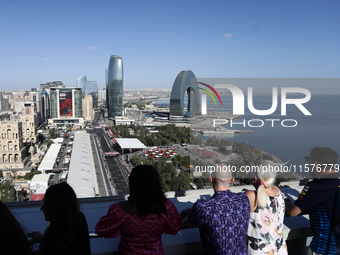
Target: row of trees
[166, 135]
[28, 176]
[172, 180]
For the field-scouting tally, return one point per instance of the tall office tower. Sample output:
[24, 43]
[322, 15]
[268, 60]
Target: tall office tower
[115, 86]
[102, 94]
[91, 88]
[3, 102]
[1, 98]
[88, 107]
[81, 83]
[42, 100]
[106, 86]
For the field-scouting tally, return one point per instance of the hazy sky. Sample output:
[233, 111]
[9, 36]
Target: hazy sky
[43, 41]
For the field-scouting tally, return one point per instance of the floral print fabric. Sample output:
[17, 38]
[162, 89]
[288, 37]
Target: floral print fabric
[265, 230]
[139, 236]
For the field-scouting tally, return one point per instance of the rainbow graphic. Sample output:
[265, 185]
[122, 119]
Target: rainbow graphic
[209, 93]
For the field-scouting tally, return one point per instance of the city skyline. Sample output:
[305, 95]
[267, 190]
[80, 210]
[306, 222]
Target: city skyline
[46, 41]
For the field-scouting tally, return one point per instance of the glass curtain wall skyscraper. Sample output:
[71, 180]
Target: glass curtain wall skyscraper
[115, 86]
[81, 83]
[91, 88]
[107, 86]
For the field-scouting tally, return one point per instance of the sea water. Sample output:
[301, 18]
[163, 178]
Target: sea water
[291, 144]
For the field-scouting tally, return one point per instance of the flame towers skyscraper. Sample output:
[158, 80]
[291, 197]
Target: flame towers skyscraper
[115, 86]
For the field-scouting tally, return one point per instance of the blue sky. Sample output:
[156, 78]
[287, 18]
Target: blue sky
[43, 41]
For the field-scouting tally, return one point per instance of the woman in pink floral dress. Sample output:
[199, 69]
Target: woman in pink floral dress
[265, 230]
[142, 219]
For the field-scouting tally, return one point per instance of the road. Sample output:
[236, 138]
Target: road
[104, 186]
[118, 173]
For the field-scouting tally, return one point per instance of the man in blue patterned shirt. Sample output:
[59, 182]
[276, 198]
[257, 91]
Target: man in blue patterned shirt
[223, 219]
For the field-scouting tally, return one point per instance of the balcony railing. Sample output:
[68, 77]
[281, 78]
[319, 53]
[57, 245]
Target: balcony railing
[297, 230]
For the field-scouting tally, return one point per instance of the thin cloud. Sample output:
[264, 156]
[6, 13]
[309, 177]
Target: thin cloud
[161, 56]
[92, 47]
[45, 59]
[228, 35]
[292, 52]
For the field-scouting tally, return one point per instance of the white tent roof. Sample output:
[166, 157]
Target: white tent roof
[50, 158]
[40, 178]
[130, 143]
[82, 175]
[58, 140]
[40, 181]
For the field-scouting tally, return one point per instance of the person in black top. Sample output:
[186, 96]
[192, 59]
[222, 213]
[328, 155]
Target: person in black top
[318, 198]
[13, 240]
[67, 233]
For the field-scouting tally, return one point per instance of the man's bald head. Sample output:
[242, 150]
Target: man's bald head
[222, 175]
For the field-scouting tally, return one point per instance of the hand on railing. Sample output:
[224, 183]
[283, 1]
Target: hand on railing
[186, 223]
[35, 236]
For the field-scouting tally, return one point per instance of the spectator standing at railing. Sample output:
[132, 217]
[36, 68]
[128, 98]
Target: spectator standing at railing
[318, 199]
[143, 218]
[223, 220]
[267, 210]
[13, 240]
[67, 233]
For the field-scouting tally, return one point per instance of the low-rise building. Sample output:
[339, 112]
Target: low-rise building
[122, 120]
[12, 150]
[39, 182]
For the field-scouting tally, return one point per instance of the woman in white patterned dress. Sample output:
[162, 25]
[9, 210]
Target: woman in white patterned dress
[265, 230]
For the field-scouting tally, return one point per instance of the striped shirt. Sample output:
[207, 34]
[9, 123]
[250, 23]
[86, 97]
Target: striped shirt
[317, 198]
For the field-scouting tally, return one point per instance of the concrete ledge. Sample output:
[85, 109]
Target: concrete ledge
[297, 230]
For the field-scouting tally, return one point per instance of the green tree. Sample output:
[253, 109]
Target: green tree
[8, 193]
[182, 182]
[200, 183]
[185, 161]
[213, 141]
[41, 137]
[136, 160]
[29, 176]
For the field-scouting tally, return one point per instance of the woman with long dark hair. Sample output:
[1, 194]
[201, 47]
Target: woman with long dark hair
[13, 240]
[68, 232]
[144, 217]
